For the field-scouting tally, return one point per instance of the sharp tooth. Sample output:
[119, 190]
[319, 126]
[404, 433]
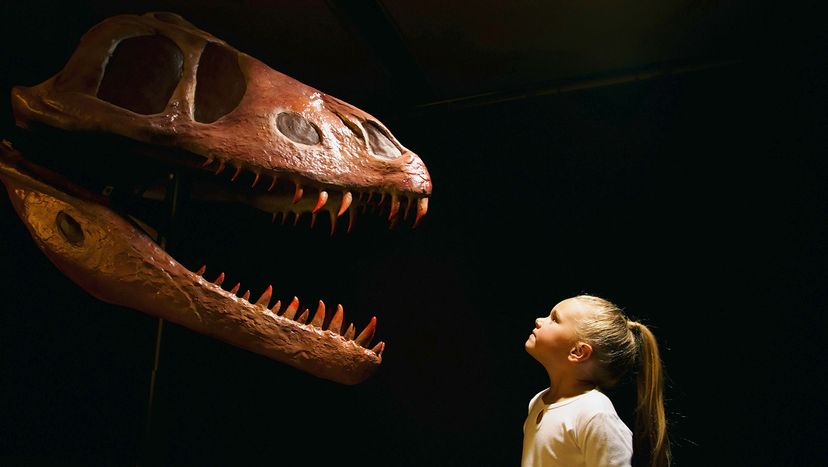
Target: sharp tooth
[297, 195]
[336, 322]
[246, 295]
[284, 217]
[303, 318]
[264, 300]
[347, 198]
[351, 218]
[349, 333]
[290, 312]
[201, 270]
[236, 175]
[382, 198]
[256, 180]
[422, 208]
[395, 206]
[323, 198]
[207, 162]
[364, 338]
[219, 279]
[379, 348]
[220, 168]
[235, 288]
[333, 222]
[393, 223]
[276, 307]
[272, 184]
[370, 195]
[313, 219]
[273, 219]
[407, 208]
[319, 316]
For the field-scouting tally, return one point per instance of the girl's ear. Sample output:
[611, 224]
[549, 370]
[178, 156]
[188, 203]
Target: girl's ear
[580, 352]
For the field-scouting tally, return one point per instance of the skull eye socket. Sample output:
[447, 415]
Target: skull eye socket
[297, 128]
[220, 84]
[142, 74]
[381, 144]
[69, 228]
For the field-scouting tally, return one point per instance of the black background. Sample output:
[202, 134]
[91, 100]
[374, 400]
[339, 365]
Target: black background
[696, 201]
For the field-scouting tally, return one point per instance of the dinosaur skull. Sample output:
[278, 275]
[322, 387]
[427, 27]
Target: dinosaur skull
[157, 80]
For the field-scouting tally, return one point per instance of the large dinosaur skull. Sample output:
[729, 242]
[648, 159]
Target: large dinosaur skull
[158, 80]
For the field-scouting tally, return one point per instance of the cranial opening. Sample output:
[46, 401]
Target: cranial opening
[142, 74]
[381, 144]
[220, 84]
[297, 128]
[69, 228]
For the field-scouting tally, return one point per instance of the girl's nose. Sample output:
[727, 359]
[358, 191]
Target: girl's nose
[538, 323]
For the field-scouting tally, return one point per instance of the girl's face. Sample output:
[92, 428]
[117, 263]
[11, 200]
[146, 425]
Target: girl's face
[555, 335]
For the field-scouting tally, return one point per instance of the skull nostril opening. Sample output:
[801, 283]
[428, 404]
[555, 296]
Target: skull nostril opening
[69, 228]
[220, 83]
[142, 74]
[297, 128]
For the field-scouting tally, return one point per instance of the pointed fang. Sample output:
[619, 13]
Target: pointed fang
[323, 198]
[379, 348]
[422, 208]
[336, 322]
[333, 222]
[235, 288]
[219, 280]
[319, 316]
[246, 295]
[272, 184]
[303, 318]
[276, 307]
[351, 219]
[256, 180]
[264, 300]
[349, 333]
[236, 175]
[297, 195]
[395, 206]
[220, 168]
[207, 162]
[290, 312]
[407, 208]
[367, 334]
[347, 198]
[201, 270]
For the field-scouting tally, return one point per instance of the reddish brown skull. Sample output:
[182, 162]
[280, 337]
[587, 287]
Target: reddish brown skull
[159, 80]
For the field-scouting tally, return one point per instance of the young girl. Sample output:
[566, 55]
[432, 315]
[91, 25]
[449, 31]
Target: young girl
[586, 344]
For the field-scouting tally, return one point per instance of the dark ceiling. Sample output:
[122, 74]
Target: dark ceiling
[388, 56]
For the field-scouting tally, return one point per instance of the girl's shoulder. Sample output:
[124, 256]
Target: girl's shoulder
[595, 404]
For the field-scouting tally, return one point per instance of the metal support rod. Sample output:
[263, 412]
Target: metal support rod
[171, 198]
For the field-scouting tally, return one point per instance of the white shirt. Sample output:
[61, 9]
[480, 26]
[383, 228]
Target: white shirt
[581, 431]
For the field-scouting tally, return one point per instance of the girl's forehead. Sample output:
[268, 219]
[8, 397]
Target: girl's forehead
[571, 307]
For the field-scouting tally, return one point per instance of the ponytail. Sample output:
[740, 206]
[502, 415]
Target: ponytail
[650, 419]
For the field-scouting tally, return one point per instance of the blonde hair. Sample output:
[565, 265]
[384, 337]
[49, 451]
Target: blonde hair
[618, 346]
